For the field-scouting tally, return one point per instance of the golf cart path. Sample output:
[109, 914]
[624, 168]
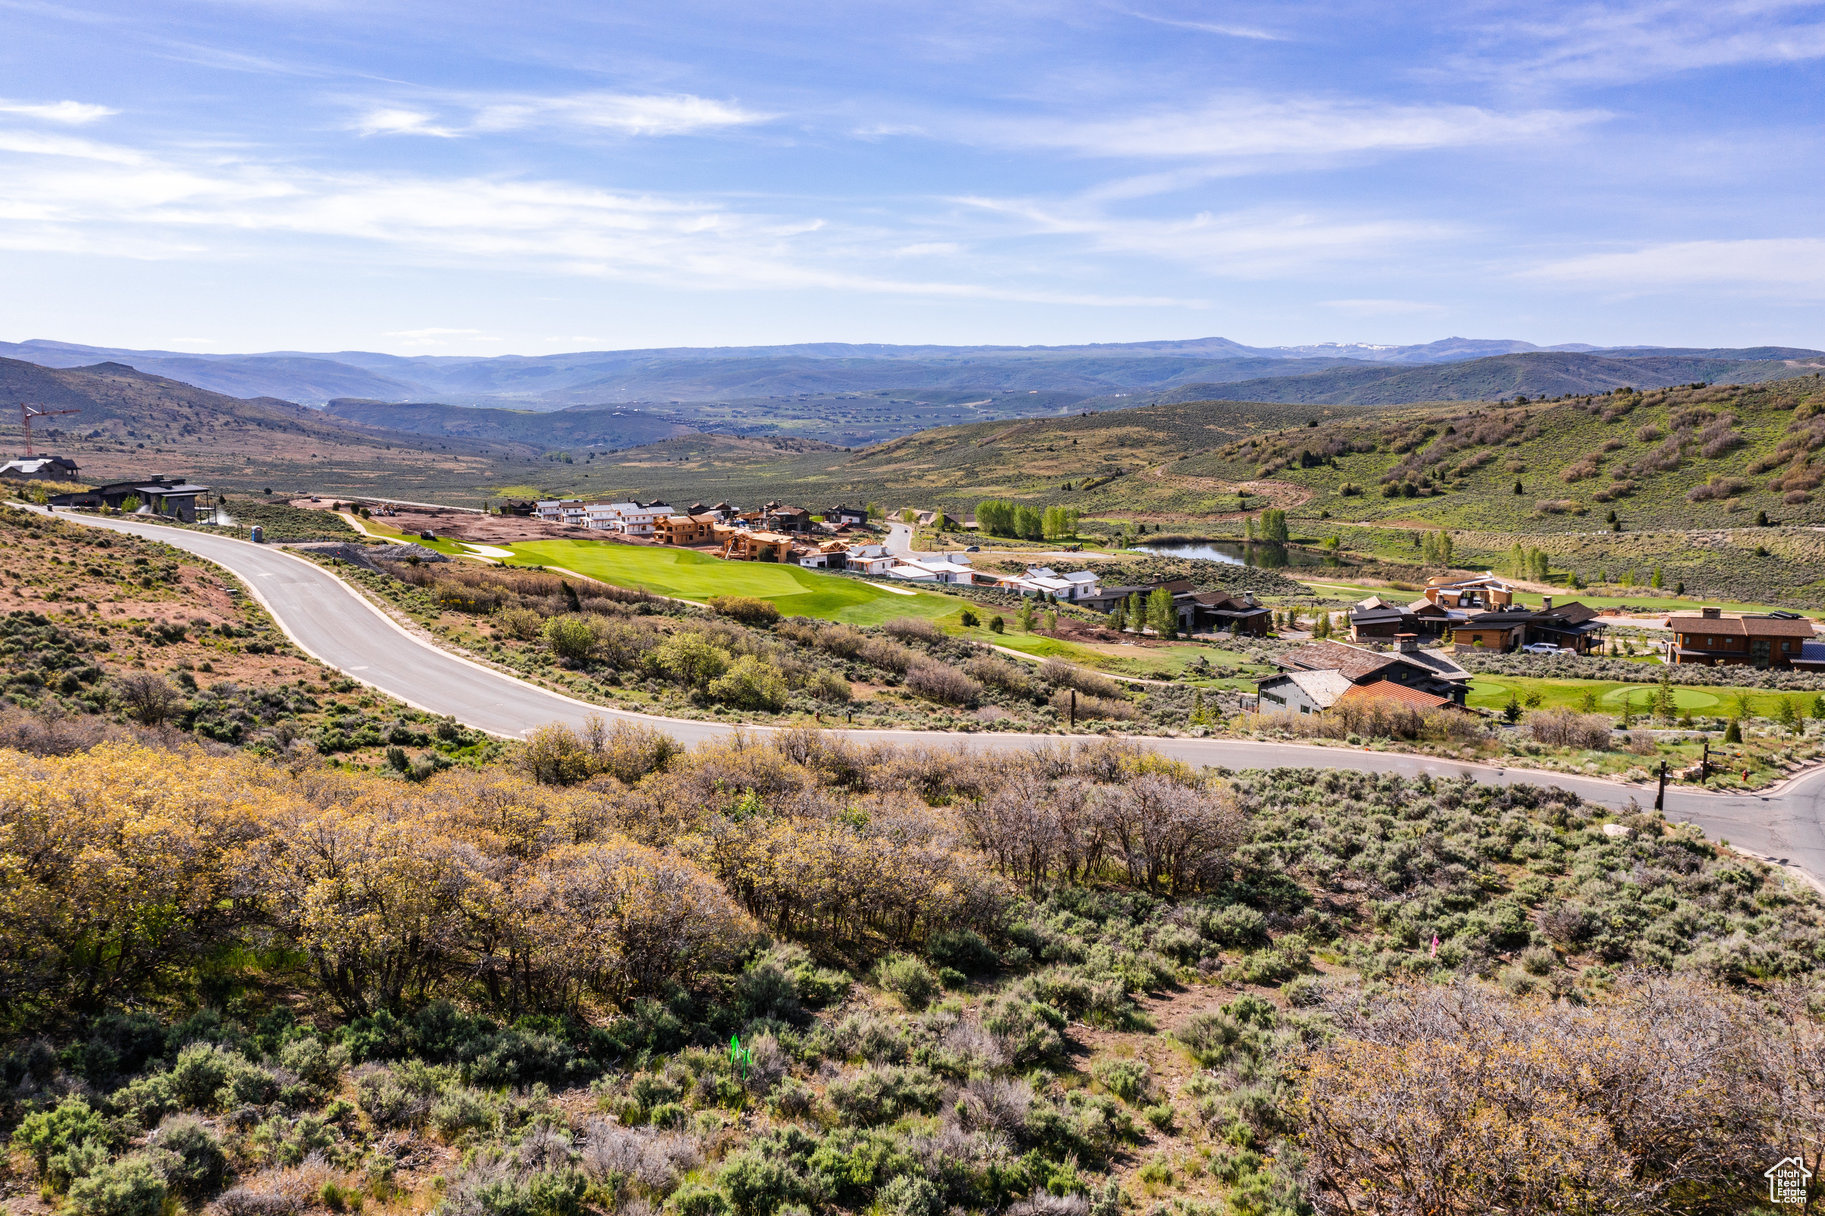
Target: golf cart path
[338, 626]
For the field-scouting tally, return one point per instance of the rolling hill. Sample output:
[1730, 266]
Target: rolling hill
[767, 379]
[1530, 374]
[132, 424]
[607, 429]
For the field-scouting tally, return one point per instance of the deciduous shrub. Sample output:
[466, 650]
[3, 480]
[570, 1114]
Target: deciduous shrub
[943, 684]
[1568, 728]
[746, 609]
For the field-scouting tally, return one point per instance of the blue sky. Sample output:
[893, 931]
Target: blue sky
[536, 176]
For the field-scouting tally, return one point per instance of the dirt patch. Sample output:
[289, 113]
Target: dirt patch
[458, 525]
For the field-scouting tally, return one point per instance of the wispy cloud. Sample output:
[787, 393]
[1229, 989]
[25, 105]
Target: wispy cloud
[70, 113]
[140, 205]
[392, 120]
[1781, 266]
[1247, 243]
[1636, 39]
[620, 113]
[1264, 129]
[1220, 28]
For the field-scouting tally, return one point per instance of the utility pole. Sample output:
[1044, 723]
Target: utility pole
[1074, 709]
[1704, 764]
[29, 412]
[1660, 798]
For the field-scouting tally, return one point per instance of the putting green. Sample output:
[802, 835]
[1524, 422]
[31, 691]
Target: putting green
[1637, 697]
[691, 575]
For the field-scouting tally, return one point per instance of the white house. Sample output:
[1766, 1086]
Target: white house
[605, 516]
[630, 518]
[951, 568]
[637, 520]
[1042, 580]
[869, 559]
[560, 510]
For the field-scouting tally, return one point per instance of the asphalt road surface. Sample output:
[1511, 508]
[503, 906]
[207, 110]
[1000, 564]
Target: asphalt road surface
[335, 624]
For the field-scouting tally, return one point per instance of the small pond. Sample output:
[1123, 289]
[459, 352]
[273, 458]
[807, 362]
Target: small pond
[1237, 553]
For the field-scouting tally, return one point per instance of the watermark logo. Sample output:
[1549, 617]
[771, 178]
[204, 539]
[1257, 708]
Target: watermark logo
[1787, 1180]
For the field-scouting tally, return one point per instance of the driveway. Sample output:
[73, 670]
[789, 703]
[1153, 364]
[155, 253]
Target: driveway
[341, 628]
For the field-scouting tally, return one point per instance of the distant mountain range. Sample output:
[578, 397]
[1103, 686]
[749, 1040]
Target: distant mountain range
[1535, 374]
[681, 376]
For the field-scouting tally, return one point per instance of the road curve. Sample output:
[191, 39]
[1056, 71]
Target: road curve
[337, 625]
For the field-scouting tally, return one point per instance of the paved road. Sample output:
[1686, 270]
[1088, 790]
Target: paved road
[335, 624]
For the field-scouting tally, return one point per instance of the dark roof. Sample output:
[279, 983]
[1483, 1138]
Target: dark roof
[1742, 626]
[1574, 612]
[1376, 616]
[1505, 619]
[1178, 586]
[1223, 599]
[1353, 662]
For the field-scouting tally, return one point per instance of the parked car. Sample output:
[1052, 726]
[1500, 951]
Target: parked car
[1542, 648]
[974, 549]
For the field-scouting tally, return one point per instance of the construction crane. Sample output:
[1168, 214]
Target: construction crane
[29, 412]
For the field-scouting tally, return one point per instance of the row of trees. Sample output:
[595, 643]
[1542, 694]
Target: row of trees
[1154, 611]
[999, 517]
[1270, 528]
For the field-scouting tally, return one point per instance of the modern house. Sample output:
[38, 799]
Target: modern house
[1222, 611]
[950, 568]
[40, 468]
[1481, 593]
[1571, 627]
[570, 511]
[1427, 671]
[1773, 640]
[777, 517]
[1073, 588]
[1197, 611]
[846, 515]
[869, 559]
[165, 496]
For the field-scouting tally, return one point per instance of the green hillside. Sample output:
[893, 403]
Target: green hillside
[1098, 462]
[1535, 374]
[1702, 457]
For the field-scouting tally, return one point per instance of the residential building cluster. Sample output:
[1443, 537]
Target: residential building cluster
[1316, 677]
[1478, 614]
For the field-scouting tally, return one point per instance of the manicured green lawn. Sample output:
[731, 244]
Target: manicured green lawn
[1150, 662]
[690, 575]
[1492, 692]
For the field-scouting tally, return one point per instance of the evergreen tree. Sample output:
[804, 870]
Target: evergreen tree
[1118, 620]
[1162, 615]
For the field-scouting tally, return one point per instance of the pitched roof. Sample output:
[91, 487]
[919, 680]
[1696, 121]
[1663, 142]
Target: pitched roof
[1223, 599]
[1743, 626]
[1399, 694]
[1370, 616]
[1440, 664]
[1352, 661]
[1323, 687]
[1573, 612]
